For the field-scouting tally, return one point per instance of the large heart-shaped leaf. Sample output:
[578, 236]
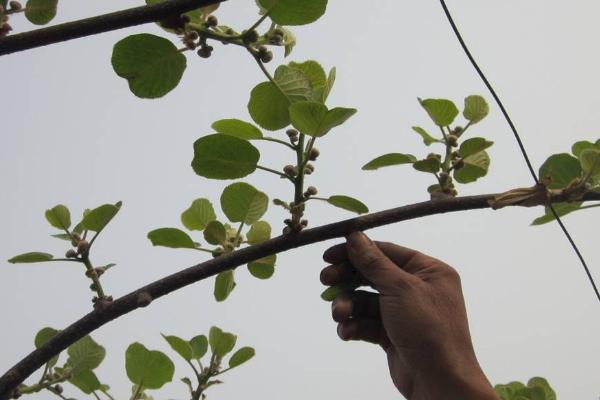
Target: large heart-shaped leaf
[40, 12]
[561, 169]
[221, 342]
[238, 128]
[224, 157]
[85, 354]
[148, 368]
[242, 202]
[224, 285]
[171, 237]
[294, 12]
[476, 109]
[198, 215]
[442, 111]
[389, 159]
[348, 203]
[314, 119]
[475, 166]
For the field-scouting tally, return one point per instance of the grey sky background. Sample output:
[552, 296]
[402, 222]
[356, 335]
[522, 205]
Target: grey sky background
[72, 133]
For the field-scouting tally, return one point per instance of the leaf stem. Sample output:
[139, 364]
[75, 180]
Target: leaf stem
[299, 180]
[46, 368]
[91, 273]
[271, 139]
[282, 175]
[260, 21]
[107, 394]
[203, 249]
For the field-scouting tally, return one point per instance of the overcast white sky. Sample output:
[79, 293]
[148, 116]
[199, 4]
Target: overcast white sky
[73, 134]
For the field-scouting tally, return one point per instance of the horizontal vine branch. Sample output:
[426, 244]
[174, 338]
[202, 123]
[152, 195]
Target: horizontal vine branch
[99, 24]
[144, 296]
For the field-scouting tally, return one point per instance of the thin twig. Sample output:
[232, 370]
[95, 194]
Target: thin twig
[99, 24]
[143, 296]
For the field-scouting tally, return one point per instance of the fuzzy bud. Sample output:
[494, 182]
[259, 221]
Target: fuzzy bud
[250, 36]
[309, 169]
[192, 35]
[444, 177]
[458, 164]
[83, 247]
[218, 252]
[15, 6]
[287, 230]
[434, 155]
[311, 191]
[290, 170]
[267, 57]
[144, 299]
[304, 222]
[5, 29]
[276, 39]
[212, 21]
[452, 140]
[458, 131]
[287, 221]
[205, 51]
[292, 133]
[58, 389]
[71, 253]
[314, 154]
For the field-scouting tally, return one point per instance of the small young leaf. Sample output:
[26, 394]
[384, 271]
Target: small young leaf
[314, 119]
[259, 232]
[62, 236]
[151, 369]
[442, 111]
[427, 138]
[242, 202]
[578, 147]
[330, 82]
[224, 157]
[473, 146]
[268, 107]
[387, 160]
[317, 77]
[241, 356]
[85, 354]
[152, 65]
[198, 215]
[215, 233]
[59, 217]
[561, 209]
[42, 337]
[542, 383]
[430, 165]
[33, 257]
[289, 41]
[294, 12]
[180, 346]
[224, 285]
[590, 162]
[85, 380]
[221, 342]
[332, 292]
[199, 346]
[263, 268]
[40, 12]
[238, 128]
[294, 84]
[171, 237]
[99, 217]
[561, 169]
[476, 166]
[476, 109]
[348, 203]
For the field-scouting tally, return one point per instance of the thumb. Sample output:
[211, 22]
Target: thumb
[373, 264]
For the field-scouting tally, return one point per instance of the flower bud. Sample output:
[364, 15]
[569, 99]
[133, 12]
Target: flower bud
[15, 6]
[267, 57]
[309, 169]
[212, 21]
[314, 154]
[250, 36]
[311, 191]
[452, 140]
[83, 247]
[434, 155]
[205, 51]
[287, 230]
[304, 222]
[292, 133]
[290, 170]
[71, 253]
[458, 164]
[458, 131]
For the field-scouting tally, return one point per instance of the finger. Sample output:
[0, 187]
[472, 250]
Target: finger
[410, 260]
[363, 329]
[336, 254]
[341, 273]
[374, 265]
[357, 305]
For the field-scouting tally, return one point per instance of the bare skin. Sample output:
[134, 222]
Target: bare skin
[417, 316]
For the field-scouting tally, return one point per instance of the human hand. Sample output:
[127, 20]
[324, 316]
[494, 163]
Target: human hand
[417, 316]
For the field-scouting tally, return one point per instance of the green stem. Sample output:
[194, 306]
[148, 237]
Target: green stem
[56, 393]
[135, 395]
[46, 368]
[203, 249]
[260, 21]
[299, 180]
[272, 171]
[38, 387]
[93, 276]
[239, 232]
[96, 395]
[448, 158]
[270, 139]
[107, 394]
[318, 198]
[194, 368]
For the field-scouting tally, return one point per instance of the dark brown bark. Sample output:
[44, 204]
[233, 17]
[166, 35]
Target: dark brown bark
[99, 24]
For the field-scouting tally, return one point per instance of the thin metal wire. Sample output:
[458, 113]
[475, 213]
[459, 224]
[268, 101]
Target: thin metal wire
[519, 142]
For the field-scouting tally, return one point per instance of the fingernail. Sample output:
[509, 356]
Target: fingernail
[357, 240]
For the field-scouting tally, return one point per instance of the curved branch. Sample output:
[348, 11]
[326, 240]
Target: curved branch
[144, 296]
[102, 23]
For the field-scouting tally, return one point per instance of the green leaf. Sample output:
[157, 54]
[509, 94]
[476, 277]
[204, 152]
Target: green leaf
[294, 12]
[33, 257]
[561, 169]
[314, 119]
[430, 165]
[268, 107]
[238, 128]
[260, 231]
[85, 354]
[590, 162]
[427, 138]
[85, 380]
[171, 237]
[99, 217]
[316, 75]
[215, 233]
[62, 236]
[152, 65]
[150, 369]
[224, 285]
[224, 157]
[329, 84]
[476, 109]
[542, 383]
[199, 346]
[476, 166]
[198, 215]
[221, 342]
[289, 41]
[473, 146]
[578, 147]
[59, 217]
[242, 202]
[263, 268]
[40, 12]
[180, 346]
[561, 209]
[348, 203]
[241, 356]
[42, 337]
[332, 292]
[442, 111]
[294, 84]
[196, 16]
[389, 159]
